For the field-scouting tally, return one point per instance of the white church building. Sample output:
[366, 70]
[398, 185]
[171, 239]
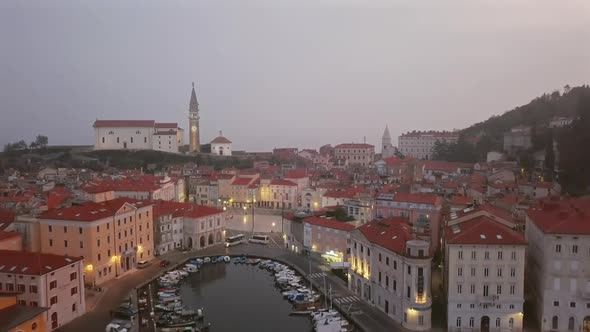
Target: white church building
[221, 146]
[137, 135]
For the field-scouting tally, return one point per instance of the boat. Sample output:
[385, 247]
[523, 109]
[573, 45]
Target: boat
[190, 269]
[300, 312]
[207, 260]
[170, 298]
[317, 315]
[178, 329]
[226, 259]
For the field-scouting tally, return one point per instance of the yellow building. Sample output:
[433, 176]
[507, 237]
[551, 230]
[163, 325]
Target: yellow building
[20, 318]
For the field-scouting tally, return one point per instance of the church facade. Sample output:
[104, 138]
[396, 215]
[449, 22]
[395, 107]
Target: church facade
[148, 134]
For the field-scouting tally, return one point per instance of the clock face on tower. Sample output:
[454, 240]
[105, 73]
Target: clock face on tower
[194, 128]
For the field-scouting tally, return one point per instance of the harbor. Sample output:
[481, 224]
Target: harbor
[225, 293]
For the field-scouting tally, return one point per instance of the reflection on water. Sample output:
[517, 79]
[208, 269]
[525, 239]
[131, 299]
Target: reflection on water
[240, 298]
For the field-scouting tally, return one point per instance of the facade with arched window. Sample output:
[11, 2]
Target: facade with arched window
[221, 146]
[137, 135]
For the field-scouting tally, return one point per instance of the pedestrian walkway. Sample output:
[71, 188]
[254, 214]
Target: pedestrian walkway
[346, 299]
[317, 275]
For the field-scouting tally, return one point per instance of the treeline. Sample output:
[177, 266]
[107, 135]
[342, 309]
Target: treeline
[40, 142]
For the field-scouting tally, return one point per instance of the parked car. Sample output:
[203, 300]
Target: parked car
[118, 325]
[164, 263]
[143, 264]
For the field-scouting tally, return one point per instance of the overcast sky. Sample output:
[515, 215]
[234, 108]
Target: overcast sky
[282, 73]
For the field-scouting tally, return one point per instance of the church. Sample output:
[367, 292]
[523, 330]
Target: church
[148, 134]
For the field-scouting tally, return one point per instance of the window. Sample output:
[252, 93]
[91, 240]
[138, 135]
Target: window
[497, 322]
[513, 272]
[81, 245]
[471, 322]
[555, 323]
[117, 139]
[386, 260]
[499, 255]
[53, 300]
[472, 289]
[558, 250]
[379, 257]
[460, 272]
[575, 249]
[74, 291]
[50, 242]
[473, 255]
[379, 276]
[458, 321]
[66, 243]
[513, 255]
[499, 289]
[511, 323]
[409, 270]
[386, 281]
[21, 288]
[499, 272]
[408, 291]
[98, 257]
[486, 255]
[98, 242]
[473, 272]
[420, 320]
[395, 265]
[458, 305]
[103, 139]
[395, 285]
[73, 276]
[572, 304]
[486, 290]
[80, 230]
[512, 289]
[511, 306]
[53, 284]
[486, 272]
[459, 288]
[50, 229]
[33, 289]
[73, 307]
[460, 254]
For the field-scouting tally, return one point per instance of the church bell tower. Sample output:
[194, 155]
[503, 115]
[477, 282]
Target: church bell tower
[193, 121]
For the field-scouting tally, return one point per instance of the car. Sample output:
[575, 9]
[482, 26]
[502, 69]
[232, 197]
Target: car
[143, 264]
[164, 263]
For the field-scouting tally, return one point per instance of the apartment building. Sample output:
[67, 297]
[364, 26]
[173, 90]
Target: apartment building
[111, 236]
[558, 263]
[203, 227]
[16, 317]
[390, 269]
[484, 273]
[420, 144]
[326, 237]
[45, 281]
[355, 154]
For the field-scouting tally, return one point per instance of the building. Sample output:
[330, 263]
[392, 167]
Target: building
[326, 237]
[360, 208]
[420, 144]
[387, 149]
[45, 281]
[136, 186]
[518, 138]
[16, 317]
[558, 258]
[560, 121]
[221, 146]
[111, 236]
[203, 227]
[391, 270]
[278, 194]
[484, 273]
[137, 135]
[355, 154]
[168, 225]
[193, 120]
[422, 210]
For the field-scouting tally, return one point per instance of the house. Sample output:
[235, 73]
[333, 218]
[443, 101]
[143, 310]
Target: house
[15, 317]
[221, 146]
[390, 270]
[326, 237]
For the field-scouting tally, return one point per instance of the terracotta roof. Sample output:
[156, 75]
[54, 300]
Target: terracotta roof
[393, 161]
[8, 235]
[391, 233]
[567, 216]
[18, 314]
[199, 211]
[124, 123]
[461, 200]
[176, 209]
[220, 140]
[31, 263]
[6, 218]
[280, 182]
[91, 211]
[329, 223]
[354, 146]
[413, 198]
[171, 125]
[298, 173]
[485, 231]
[241, 182]
[444, 166]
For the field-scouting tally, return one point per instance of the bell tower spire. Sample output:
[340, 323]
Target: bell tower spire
[193, 119]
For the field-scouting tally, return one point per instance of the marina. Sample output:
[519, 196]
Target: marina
[240, 293]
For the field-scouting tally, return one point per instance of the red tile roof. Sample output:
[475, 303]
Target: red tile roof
[567, 216]
[298, 173]
[417, 198]
[91, 211]
[461, 200]
[166, 125]
[280, 182]
[124, 123]
[199, 211]
[220, 140]
[393, 161]
[329, 223]
[8, 235]
[354, 146]
[485, 231]
[176, 209]
[443, 166]
[30, 263]
[6, 218]
[241, 182]
[391, 233]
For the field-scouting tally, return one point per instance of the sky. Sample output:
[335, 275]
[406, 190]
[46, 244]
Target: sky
[282, 73]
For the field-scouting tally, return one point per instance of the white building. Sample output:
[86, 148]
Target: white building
[391, 270]
[387, 149]
[419, 144]
[558, 264]
[221, 146]
[137, 135]
[560, 121]
[45, 280]
[484, 273]
[203, 227]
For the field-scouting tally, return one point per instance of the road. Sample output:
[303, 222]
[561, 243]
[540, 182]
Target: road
[367, 317]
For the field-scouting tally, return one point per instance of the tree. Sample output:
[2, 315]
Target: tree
[549, 164]
[41, 141]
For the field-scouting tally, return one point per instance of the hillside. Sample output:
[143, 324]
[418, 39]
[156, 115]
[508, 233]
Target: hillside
[488, 135]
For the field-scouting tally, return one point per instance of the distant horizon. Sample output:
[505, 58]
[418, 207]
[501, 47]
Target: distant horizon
[290, 73]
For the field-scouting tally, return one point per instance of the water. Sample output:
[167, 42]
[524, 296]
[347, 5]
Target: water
[238, 297]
